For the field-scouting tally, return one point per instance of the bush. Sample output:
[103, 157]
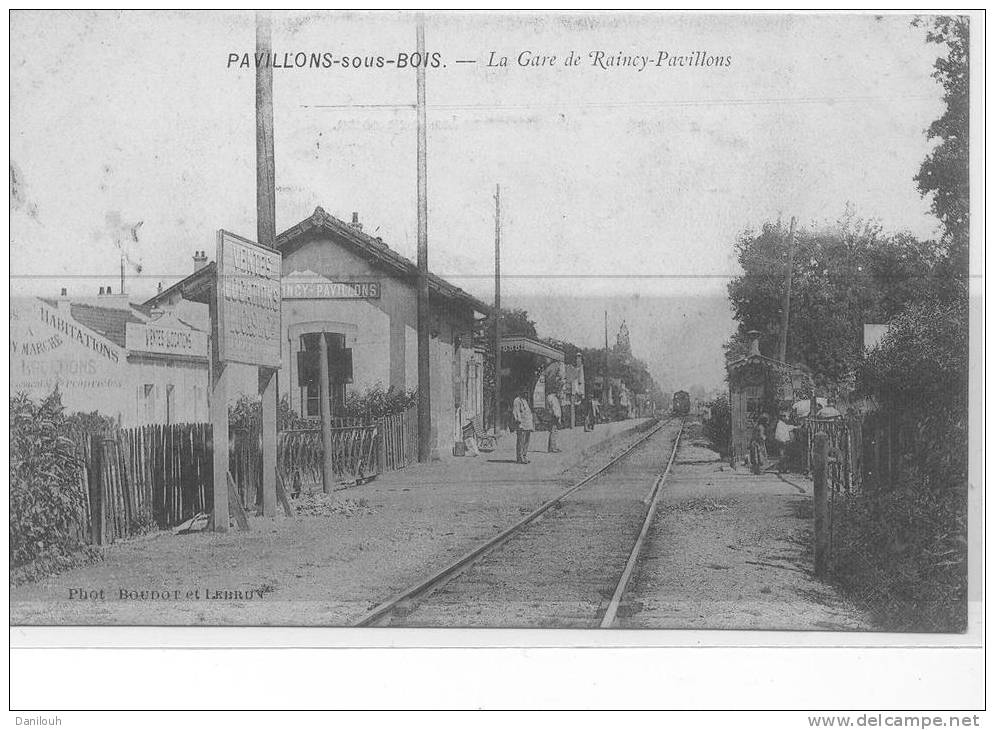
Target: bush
[904, 545]
[371, 404]
[47, 504]
[247, 414]
[717, 428]
[377, 402]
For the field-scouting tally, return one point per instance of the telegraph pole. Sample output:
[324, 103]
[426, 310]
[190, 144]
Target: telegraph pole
[497, 308]
[266, 235]
[604, 394]
[424, 385]
[783, 351]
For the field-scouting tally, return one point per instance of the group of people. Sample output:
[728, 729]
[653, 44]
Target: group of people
[523, 424]
[783, 433]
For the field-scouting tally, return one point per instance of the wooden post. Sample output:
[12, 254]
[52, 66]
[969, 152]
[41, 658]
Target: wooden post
[325, 412]
[268, 389]
[219, 431]
[218, 407]
[821, 503]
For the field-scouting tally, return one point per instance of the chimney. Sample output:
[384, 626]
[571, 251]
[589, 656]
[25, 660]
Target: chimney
[199, 260]
[754, 336]
[355, 222]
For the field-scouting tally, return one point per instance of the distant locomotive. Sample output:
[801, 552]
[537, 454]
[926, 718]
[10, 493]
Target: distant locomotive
[682, 403]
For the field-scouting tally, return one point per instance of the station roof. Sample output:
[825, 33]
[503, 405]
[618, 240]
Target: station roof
[377, 252]
[109, 322]
[197, 287]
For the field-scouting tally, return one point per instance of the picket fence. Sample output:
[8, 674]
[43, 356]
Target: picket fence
[157, 476]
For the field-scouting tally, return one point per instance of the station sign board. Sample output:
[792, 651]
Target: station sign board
[318, 287]
[249, 299]
[162, 339]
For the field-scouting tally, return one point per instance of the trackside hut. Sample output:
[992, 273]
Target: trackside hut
[759, 386]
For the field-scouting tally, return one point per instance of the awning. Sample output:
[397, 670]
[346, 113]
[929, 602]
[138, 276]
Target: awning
[532, 346]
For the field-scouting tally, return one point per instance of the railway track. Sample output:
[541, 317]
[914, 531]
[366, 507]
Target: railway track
[566, 564]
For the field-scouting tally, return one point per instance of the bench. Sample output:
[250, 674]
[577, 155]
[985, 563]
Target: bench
[486, 442]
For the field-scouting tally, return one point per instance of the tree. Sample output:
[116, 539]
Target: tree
[944, 173]
[844, 276]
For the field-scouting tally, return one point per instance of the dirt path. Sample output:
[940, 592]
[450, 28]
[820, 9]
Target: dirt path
[730, 550]
[323, 568]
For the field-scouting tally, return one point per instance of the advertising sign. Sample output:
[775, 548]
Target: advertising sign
[165, 340]
[49, 349]
[248, 302]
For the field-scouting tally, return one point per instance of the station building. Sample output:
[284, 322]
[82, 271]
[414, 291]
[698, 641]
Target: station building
[349, 289]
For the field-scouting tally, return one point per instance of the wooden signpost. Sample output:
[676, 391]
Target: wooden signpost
[245, 329]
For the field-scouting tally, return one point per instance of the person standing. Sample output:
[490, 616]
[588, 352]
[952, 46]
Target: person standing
[524, 426]
[555, 413]
[758, 445]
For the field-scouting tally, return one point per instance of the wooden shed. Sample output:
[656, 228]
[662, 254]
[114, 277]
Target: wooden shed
[760, 385]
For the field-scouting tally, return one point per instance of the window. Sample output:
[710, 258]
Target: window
[754, 396]
[147, 406]
[170, 405]
[311, 342]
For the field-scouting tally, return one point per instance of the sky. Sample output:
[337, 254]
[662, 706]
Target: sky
[617, 185]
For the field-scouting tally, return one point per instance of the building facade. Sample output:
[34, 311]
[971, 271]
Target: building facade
[363, 295]
[104, 354]
[350, 290]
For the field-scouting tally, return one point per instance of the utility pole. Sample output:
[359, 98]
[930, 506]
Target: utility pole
[783, 350]
[604, 382]
[424, 386]
[266, 235]
[497, 308]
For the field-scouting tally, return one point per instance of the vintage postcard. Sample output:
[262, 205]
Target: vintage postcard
[594, 320]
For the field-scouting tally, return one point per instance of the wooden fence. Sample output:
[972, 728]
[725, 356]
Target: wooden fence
[398, 437]
[845, 472]
[139, 478]
[136, 479]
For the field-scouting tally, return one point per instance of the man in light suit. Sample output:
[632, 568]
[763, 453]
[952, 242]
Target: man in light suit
[554, 413]
[521, 414]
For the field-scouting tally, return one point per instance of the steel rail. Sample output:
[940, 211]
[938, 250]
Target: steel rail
[383, 609]
[630, 565]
